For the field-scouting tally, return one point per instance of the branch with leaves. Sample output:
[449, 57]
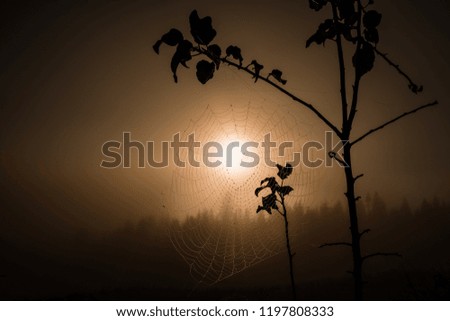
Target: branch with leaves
[352, 23]
[203, 33]
[276, 197]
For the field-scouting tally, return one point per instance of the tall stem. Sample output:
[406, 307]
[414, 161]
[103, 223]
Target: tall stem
[354, 228]
[289, 251]
[342, 79]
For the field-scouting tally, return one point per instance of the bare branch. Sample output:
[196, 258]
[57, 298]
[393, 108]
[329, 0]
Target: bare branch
[393, 120]
[365, 232]
[280, 212]
[413, 86]
[357, 198]
[358, 177]
[335, 244]
[284, 91]
[379, 254]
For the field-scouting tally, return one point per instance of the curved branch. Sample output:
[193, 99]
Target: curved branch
[284, 91]
[392, 121]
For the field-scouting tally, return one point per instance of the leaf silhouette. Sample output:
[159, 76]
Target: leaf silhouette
[371, 35]
[415, 88]
[271, 183]
[259, 209]
[372, 19]
[346, 31]
[235, 52]
[181, 56]
[326, 30]
[317, 4]
[364, 59]
[171, 38]
[214, 52]
[201, 29]
[257, 69]
[347, 11]
[277, 74]
[269, 202]
[285, 190]
[259, 189]
[284, 172]
[205, 71]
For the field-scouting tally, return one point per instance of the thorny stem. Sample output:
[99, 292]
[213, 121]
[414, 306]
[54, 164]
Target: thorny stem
[288, 246]
[341, 70]
[353, 109]
[412, 85]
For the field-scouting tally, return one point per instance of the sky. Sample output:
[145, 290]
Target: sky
[75, 75]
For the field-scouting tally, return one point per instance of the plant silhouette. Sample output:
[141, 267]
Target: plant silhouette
[269, 202]
[351, 21]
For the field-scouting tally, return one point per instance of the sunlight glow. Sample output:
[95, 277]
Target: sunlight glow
[234, 161]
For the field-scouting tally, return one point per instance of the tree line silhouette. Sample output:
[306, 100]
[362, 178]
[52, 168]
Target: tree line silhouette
[138, 260]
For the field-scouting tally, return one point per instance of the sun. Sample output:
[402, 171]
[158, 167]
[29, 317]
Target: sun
[239, 156]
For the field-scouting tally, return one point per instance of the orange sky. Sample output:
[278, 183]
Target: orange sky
[75, 76]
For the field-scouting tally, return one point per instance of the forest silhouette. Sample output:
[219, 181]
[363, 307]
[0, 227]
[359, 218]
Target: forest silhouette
[138, 260]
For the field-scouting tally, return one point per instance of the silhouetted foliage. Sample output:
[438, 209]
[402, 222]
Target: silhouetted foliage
[277, 74]
[317, 4]
[181, 56]
[269, 203]
[201, 28]
[234, 52]
[205, 71]
[326, 30]
[203, 33]
[350, 21]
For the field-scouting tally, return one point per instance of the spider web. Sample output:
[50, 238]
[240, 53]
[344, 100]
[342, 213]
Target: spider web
[216, 230]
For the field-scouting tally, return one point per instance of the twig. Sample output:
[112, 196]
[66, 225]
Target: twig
[393, 120]
[364, 232]
[413, 86]
[280, 212]
[338, 159]
[358, 177]
[288, 246]
[335, 244]
[379, 254]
